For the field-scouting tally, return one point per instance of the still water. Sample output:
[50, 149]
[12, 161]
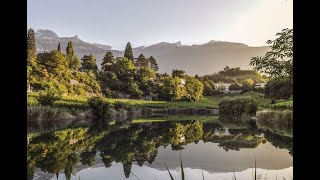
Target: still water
[140, 151]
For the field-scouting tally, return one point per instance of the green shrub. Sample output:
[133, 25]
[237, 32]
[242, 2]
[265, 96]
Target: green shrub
[99, 106]
[101, 110]
[233, 108]
[48, 97]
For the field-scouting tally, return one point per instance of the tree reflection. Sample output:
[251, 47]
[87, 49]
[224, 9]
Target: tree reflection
[138, 143]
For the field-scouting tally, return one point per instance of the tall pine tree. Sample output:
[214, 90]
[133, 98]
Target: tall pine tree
[31, 46]
[59, 48]
[32, 65]
[153, 63]
[128, 52]
[107, 62]
[69, 50]
[74, 62]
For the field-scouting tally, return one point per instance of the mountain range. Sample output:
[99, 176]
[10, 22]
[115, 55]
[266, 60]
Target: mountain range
[199, 59]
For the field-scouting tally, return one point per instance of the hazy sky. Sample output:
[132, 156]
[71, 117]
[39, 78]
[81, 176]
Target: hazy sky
[145, 22]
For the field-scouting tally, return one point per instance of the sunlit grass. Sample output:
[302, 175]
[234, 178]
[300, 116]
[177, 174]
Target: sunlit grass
[283, 105]
[81, 101]
[206, 102]
[204, 119]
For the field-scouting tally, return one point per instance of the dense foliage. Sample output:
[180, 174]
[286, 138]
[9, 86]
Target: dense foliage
[89, 63]
[233, 108]
[279, 88]
[194, 89]
[101, 109]
[208, 86]
[58, 71]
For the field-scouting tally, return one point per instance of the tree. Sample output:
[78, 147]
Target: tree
[208, 87]
[69, 51]
[59, 48]
[107, 62]
[145, 78]
[124, 69]
[127, 169]
[55, 62]
[178, 73]
[72, 159]
[194, 89]
[31, 46]
[74, 62]
[153, 63]
[279, 61]
[246, 83]
[142, 62]
[89, 63]
[87, 157]
[128, 52]
[279, 88]
[172, 89]
[32, 66]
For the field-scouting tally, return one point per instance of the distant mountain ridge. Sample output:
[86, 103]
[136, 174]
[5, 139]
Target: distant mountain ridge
[200, 59]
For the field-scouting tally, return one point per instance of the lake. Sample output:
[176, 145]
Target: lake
[143, 150]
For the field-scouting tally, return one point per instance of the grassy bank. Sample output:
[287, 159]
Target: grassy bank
[204, 119]
[282, 105]
[80, 102]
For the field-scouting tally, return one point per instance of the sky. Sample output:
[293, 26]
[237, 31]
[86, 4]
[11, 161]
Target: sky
[146, 22]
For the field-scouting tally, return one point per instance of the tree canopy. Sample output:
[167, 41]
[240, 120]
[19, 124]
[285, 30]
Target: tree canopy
[153, 63]
[107, 62]
[278, 62]
[89, 63]
[178, 73]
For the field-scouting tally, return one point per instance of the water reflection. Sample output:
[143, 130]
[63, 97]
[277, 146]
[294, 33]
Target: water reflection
[211, 147]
